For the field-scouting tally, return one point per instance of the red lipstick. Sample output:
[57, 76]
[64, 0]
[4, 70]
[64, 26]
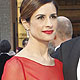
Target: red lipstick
[48, 31]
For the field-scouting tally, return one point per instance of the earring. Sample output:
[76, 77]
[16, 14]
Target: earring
[27, 30]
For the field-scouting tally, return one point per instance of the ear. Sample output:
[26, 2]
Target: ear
[25, 24]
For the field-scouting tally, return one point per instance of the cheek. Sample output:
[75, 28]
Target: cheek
[35, 29]
[55, 24]
[35, 26]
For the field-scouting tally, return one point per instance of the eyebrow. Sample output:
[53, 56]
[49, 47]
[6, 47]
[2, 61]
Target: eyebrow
[40, 15]
[54, 14]
[44, 15]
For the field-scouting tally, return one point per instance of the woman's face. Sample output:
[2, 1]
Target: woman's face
[43, 23]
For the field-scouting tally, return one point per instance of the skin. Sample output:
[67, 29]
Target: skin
[37, 47]
[45, 21]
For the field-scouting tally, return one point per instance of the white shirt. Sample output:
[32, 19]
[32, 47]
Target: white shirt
[78, 70]
[57, 47]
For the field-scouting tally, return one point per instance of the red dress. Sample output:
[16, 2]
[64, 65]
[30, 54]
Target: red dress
[20, 68]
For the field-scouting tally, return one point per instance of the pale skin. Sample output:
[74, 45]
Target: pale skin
[37, 47]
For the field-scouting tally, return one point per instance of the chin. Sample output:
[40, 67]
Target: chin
[47, 40]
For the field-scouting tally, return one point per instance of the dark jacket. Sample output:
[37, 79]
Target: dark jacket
[69, 53]
[3, 59]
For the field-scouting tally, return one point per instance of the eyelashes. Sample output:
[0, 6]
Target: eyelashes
[52, 16]
[40, 17]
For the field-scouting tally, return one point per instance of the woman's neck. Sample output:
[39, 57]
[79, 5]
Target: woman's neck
[37, 51]
[37, 47]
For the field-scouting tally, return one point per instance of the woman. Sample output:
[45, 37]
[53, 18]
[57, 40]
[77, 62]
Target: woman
[33, 62]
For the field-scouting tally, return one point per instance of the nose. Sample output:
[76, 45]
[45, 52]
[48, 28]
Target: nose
[48, 23]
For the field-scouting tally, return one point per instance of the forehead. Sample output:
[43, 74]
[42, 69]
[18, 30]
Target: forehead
[46, 8]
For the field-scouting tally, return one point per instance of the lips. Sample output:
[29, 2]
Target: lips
[48, 31]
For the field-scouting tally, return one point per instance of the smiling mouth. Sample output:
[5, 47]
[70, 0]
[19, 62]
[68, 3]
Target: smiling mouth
[48, 31]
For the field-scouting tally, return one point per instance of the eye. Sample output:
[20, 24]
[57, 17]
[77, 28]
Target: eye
[40, 17]
[53, 16]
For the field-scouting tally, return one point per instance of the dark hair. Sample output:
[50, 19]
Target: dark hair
[28, 7]
[23, 42]
[5, 46]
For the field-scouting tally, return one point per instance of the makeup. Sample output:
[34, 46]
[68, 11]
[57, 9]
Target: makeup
[48, 31]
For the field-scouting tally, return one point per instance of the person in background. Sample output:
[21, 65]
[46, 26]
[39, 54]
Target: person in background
[11, 53]
[18, 49]
[4, 50]
[50, 48]
[64, 31]
[25, 42]
[69, 55]
[33, 62]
